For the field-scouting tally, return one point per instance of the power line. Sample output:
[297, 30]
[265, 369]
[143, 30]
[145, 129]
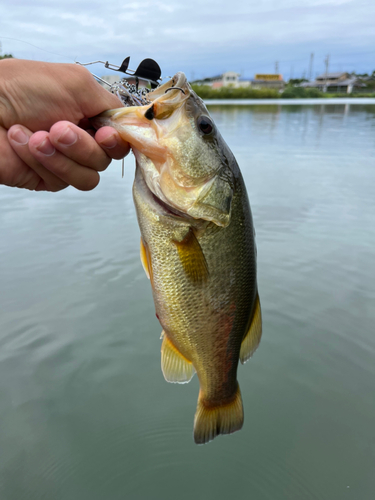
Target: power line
[40, 48]
[311, 65]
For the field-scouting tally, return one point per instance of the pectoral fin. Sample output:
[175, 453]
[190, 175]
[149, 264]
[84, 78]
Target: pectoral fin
[146, 259]
[192, 257]
[175, 367]
[252, 338]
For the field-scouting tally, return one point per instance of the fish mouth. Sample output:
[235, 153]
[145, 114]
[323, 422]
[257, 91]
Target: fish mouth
[163, 101]
[149, 127]
[142, 126]
[165, 140]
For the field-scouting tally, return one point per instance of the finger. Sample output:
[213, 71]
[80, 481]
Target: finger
[23, 170]
[13, 171]
[78, 145]
[66, 169]
[109, 139]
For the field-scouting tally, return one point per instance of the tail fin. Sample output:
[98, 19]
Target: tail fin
[209, 422]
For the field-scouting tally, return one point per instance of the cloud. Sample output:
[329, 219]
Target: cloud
[198, 37]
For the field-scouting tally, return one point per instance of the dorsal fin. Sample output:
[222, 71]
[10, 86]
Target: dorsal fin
[252, 338]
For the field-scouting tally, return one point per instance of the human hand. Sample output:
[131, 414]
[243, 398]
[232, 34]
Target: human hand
[66, 155]
[33, 158]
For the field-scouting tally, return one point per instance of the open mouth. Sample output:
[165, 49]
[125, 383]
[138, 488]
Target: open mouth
[164, 207]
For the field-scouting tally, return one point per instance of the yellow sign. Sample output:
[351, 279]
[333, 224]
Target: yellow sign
[269, 78]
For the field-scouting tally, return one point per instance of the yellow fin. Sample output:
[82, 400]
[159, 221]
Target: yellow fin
[145, 259]
[209, 422]
[192, 257]
[252, 338]
[175, 367]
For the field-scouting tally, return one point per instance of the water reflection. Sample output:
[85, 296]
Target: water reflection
[85, 412]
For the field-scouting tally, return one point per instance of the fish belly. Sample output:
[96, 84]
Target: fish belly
[205, 320]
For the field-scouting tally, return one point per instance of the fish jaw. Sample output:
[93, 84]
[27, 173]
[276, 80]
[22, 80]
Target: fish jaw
[133, 128]
[180, 166]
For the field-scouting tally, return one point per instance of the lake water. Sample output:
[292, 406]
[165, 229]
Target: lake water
[85, 413]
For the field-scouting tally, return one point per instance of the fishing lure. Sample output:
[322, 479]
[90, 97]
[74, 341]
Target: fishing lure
[131, 94]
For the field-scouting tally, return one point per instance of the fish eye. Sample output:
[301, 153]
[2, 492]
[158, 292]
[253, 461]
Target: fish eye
[205, 125]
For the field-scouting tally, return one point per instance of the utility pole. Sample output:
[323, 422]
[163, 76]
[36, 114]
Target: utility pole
[326, 61]
[311, 65]
[291, 73]
[276, 67]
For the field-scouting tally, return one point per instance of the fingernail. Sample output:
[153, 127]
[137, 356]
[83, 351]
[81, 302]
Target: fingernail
[110, 142]
[68, 138]
[46, 147]
[19, 136]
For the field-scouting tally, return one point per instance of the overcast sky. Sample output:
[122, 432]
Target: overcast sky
[201, 38]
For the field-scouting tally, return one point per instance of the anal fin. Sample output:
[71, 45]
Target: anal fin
[175, 367]
[254, 334]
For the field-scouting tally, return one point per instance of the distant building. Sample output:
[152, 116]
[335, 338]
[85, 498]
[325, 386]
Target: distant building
[232, 79]
[227, 79]
[335, 82]
[268, 81]
[244, 82]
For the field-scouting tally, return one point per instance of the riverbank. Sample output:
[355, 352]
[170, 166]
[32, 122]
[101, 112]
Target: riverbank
[290, 93]
[315, 101]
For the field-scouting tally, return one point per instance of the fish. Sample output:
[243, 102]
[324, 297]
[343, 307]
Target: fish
[197, 247]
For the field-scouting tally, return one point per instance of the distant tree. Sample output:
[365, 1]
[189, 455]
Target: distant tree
[6, 56]
[296, 81]
[299, 92]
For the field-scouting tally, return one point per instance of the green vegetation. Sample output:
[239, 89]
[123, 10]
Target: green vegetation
[207, 92]
[370, 85]
[353, 94]
[364, 75]
[290, 92]
[296, 81]
[300, 93]
[6, 56]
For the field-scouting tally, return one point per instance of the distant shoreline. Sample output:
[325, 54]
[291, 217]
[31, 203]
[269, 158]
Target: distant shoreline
[314, 101]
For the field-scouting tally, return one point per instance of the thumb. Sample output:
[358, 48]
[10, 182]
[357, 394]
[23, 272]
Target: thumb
[94, 98]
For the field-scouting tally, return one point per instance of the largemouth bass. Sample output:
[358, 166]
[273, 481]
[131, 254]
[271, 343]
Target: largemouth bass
[197, 247]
